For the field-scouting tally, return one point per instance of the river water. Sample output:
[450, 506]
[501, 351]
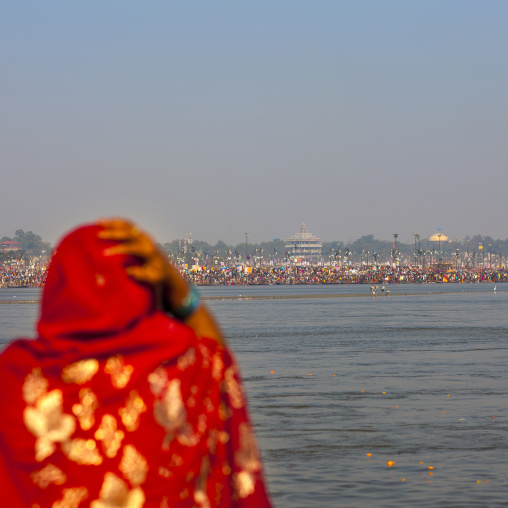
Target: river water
[418, 377]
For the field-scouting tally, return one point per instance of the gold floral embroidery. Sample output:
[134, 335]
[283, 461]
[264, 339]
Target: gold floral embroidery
[200, 496]
[165, 472]
[224, 411]
[80, 372]
[233, 388]
[202, 424]
[169, 412]
[187, 359]
[48, 423]
[34, 386]
[71, 498]
[247, 458]
[109, 435]
[243, 483]
[217, 366]
[120, 373]
[82, 451]
[130, 413]
[207, 356]
[49, 474]
[115, 493]
[158, 381]
[85, 410]
[223, 437]
[133, 466]
[176, 460]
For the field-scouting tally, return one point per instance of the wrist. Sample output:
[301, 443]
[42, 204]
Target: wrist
[182, 307]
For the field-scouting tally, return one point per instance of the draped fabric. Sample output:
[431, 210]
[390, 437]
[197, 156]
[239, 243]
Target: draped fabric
[115, 404]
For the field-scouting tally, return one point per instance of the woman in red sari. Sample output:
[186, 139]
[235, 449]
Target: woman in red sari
[116, 403]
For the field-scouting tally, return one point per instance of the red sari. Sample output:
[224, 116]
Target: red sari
[115, 404]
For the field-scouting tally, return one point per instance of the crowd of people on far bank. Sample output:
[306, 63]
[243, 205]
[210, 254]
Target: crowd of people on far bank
[345, 275]
[23, 277]
[229, 276]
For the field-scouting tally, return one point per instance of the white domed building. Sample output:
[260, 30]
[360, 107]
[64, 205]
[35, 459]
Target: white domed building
[305, 246]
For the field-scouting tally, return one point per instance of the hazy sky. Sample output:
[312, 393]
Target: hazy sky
[220, 117]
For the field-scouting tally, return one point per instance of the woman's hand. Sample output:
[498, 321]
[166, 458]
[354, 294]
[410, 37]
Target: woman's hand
[155, 270]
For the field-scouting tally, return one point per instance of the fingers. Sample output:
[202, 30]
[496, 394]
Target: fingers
[140, 246]
[133, 241]
[117, 229]
[136, 243]
[145, 274]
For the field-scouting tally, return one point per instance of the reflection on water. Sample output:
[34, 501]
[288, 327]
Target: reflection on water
[439, 353]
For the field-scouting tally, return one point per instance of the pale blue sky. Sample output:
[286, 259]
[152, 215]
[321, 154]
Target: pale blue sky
[216, 118]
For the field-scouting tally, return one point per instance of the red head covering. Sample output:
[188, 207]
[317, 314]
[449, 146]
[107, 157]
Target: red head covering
[116, 404]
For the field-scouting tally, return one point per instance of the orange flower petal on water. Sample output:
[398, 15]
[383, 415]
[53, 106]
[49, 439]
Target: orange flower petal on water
[390, 463]
[370, 455]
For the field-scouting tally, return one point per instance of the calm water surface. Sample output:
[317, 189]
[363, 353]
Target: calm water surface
[438, 352]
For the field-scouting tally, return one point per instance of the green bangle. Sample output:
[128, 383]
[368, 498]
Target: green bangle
[188, 305]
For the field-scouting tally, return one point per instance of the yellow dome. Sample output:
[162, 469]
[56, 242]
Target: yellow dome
[436, 238]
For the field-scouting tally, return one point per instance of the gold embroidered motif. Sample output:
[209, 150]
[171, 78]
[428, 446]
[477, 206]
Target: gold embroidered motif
[202, 424]
[247, 456]
[34, 386]
[169, 413]
[207, 356]
[120, 373]
[200, 496]
[82, 451]
[116, 494]
[223, 437]
[233, 388]
[80, 372]
[49, 474]
[243, 484]
[224, 411]
[158, 381]
[217, 366]
[133, 466]
[109, 435]
[164, 472]
[187, 359]
[130, 413]
[85, 410]
[71, 498]
[48, 423]
[176, 460]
